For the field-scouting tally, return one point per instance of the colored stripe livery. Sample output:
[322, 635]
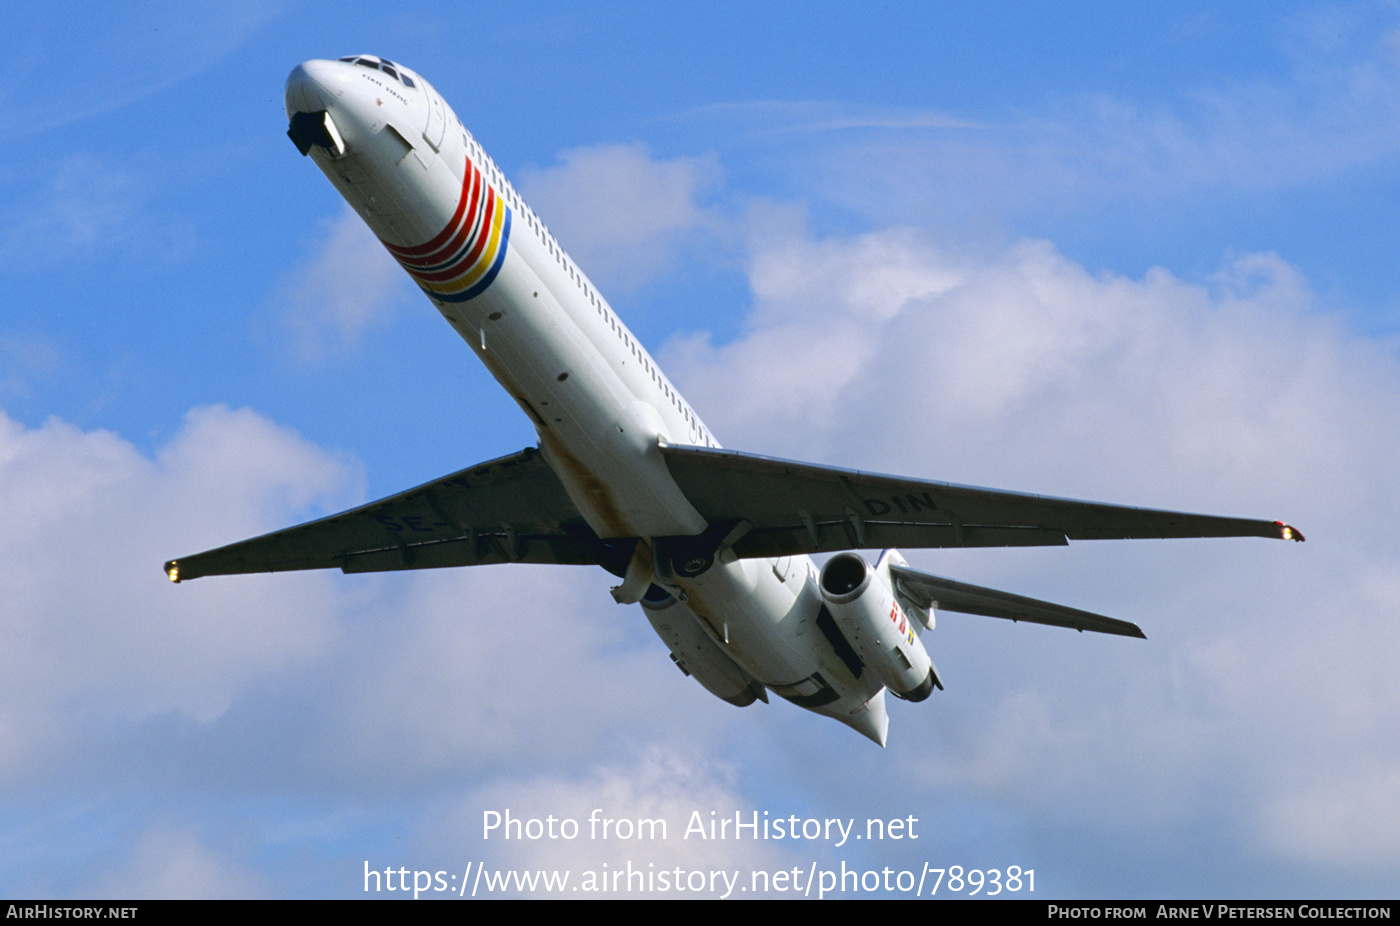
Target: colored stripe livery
[460, 261]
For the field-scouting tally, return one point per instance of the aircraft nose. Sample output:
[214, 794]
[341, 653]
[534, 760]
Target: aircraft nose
[314, 86]
[328, 107]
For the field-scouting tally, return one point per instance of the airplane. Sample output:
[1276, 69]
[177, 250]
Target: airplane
[714, 544]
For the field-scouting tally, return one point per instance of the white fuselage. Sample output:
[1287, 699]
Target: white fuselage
[597, 400]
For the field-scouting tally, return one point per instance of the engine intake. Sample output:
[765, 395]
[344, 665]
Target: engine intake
[861, 600]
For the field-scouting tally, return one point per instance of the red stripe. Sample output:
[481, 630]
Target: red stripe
[456, 244]
[440, 237]
[466, 263]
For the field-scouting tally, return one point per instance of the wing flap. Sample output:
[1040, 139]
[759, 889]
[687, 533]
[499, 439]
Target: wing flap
[513, 509]
[803, 508]
[949, 595]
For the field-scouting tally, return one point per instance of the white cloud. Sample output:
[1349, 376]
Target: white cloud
[1317, 110]
[1023, 370]
[816, 325]
[1016, 365]
[382, 686]
[666, 788]
[1262, 702]
[349, 288]
[1343, 820]
[95, 634]
[774, 117]
[1020, 368]
[534, 663]
[621, 213]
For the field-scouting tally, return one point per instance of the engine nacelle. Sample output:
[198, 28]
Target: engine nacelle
[861, 600]
[695, 654]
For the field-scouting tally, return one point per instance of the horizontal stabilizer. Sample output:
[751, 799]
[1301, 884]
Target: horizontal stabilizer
[947, 595]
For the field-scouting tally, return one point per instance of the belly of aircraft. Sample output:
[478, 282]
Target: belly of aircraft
[765, 618]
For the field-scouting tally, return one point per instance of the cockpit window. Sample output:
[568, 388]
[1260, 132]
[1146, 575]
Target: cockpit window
[380, 64]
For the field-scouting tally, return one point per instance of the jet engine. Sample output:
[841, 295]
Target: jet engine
[862, 601]
[695, 654]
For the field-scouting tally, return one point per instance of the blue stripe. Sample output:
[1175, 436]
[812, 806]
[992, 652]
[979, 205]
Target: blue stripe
[480, 285]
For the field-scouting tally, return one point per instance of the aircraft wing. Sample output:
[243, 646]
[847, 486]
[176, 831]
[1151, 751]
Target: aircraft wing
[789, 508]
[513, 509]
[948, 595]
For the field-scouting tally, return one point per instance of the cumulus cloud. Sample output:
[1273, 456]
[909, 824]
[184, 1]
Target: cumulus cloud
[620, 212]
[646, 816]
[134, 691]
[348, 288]
[391, 711]
[1205, 381]
[1343, 821]
[1236, 393]
[94, 633]
[538, 664]
[806, 372]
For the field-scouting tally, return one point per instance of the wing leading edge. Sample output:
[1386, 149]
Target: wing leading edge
[790, 508]
[512, 509]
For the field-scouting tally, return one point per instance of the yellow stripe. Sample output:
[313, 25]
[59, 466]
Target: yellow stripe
[488, 256]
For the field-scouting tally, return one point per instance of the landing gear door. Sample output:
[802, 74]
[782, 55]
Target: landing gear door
[437, 121]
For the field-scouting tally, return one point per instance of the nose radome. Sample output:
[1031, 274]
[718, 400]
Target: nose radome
[309, 98]
[327, 105]
[314, 86]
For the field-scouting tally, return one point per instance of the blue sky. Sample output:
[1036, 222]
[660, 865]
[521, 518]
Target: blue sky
[1137, 256]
